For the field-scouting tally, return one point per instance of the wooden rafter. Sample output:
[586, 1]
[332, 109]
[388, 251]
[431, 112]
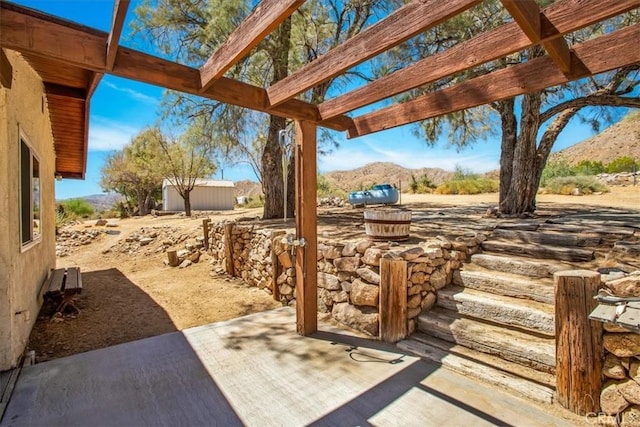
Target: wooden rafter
[267, 15]
[602, 54]
[6, 71]
[25, 32]
[527, 15]
[93, 84]
[119, 13]
[560, 18]
[401, 25]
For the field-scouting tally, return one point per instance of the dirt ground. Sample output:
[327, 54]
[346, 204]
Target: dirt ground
[127, 297]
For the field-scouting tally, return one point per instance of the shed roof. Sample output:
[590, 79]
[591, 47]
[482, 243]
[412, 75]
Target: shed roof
[201, 182]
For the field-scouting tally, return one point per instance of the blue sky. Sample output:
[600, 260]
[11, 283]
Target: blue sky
[121, 108]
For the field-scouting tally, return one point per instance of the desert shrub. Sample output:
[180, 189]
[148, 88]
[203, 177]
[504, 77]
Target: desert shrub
[589, 167]
[254, 202]
[555, 169]
[566, 185]
[77, 208]
[61, 219]
[460, 173]
[421, 185]
[469, 186]
[623, 164]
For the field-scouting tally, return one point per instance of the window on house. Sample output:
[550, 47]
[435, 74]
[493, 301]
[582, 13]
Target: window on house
[29, 193]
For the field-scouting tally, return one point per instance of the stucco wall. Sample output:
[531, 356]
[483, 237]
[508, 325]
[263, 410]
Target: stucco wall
[23, 269]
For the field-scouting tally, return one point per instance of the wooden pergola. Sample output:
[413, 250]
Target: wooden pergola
[71, 59]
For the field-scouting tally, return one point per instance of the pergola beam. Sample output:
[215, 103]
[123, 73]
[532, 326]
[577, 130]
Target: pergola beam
[32, 33]
[560, 18]
[527, 15]
[267, 15]
[406, 22]
[119, 13]
[6, 71]
[614, 50]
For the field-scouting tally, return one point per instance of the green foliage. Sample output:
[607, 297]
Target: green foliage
[555, 169]
[76, 208]
[325, 189]
[254, 202]
[422, 185]
[460, 173]
[589, 167]
[61, 219]
[567, 185]
[623, 164]
[468, 186]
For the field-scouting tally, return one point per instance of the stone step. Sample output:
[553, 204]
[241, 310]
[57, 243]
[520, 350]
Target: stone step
[527, 349]
[548, 238]
[538, 251]
[519, 265]
[571, 226]
[518, 379]
[518, 313]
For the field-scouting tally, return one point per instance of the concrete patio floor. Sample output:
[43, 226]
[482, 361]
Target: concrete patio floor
[257, 371]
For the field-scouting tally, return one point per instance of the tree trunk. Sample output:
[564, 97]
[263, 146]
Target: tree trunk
[187, 202]
[509, 138]
[272, 183]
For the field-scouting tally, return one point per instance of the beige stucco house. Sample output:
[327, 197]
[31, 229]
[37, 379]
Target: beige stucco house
[28, 167]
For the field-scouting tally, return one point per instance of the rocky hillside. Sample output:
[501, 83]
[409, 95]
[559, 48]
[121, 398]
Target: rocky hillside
[383, 172]
[621, 139]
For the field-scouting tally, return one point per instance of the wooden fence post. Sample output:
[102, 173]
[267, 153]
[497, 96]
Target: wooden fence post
[393, 299]
[579, 350]
[205, 230]
[228, 248]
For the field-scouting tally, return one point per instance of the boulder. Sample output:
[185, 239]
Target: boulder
[372, 256]
[413, 253]
[362, 319]
[364, 294]
[628, 286]
[362, 246]
[332, 252]
[368, 275]
[611, 400]
[185, 263]
[613, 368]
[348, 264]
[622, 345]
[634, 371]
[630, 417]
[328, 281]
[414, 301]
[429, 301]
[194, 257]
[101, 223]
[630, 391]
[350, 249]
[325, 300]
[438, 279]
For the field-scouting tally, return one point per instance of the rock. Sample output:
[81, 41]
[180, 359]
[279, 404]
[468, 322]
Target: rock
[101, 223]
[613, 368]
[194, 257]
[413, 312]
[630, 391]
[111, 224]
[418, 278]
[438, 279]
[414, 301]
[185, 263]
[182, 253]
[286, 289]
[368, 275]
[144, 241]
[429, 301]
[325, 300]
[341, 296]
[362, 246]
[413, 253]
[634, 371]
[630, 417]
[372, 256]
[612, 327]
[364, 294]
[348, 264]
[332, 252]
[622, 345]
[350, 249]
[414, 290]
[328, 281]
[362, 319]
[628, 286]
[611, 400]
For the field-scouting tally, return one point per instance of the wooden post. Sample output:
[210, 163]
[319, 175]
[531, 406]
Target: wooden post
[205, 230]
[172, 257]
[579, 350]
[275, 263]
[228, 248]
[306, 226]
[393, 299]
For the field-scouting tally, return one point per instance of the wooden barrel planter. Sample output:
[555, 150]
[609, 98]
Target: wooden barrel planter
[387, 224]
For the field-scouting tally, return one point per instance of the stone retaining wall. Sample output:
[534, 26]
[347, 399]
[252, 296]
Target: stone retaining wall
[620, 397]
[348, 272]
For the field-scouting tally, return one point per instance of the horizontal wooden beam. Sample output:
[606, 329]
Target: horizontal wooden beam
[406, 22]
[85, 48]
[267, 15]
[560, 18]
[119, 13]
[598, 55]
[6, 71]
[527, 15]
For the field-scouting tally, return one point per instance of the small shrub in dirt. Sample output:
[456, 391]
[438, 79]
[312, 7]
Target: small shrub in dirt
[422, 185]
[77, 208]
[468, 186]
[555, 169]
[570, 185]
[254, 202]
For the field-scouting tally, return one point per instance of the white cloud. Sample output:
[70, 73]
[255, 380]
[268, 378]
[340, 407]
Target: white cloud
[107, 135]
[139, 96]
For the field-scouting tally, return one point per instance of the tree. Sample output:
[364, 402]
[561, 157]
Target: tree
[188, 158]
[136, 171]
[530, 124]
[192, 31]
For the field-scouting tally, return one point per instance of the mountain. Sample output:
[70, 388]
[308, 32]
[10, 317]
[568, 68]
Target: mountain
[100, 202]
[621, 139]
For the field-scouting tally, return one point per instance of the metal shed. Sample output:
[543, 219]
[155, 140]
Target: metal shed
[207, 195]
